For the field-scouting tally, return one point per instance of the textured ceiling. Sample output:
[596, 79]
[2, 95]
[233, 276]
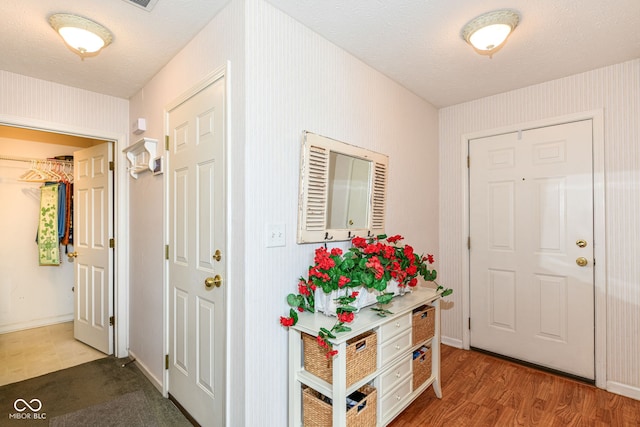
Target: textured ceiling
[143, 41]
[415, 42]
[418, 43]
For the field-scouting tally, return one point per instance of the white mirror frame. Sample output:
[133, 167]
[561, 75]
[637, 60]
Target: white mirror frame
[314, 190]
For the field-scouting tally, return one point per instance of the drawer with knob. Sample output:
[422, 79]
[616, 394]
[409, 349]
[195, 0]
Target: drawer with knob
[393, 348]
[401, 370]
[393, 328]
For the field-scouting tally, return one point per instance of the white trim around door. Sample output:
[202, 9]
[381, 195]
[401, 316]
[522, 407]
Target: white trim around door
[600, 297]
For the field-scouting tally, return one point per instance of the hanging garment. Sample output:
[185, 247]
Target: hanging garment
[67, 238]
[62, 207]
[48, 243]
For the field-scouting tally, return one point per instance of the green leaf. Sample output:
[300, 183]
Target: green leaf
[327, 332]
[385, 298]
[293, 315]
[292, 300]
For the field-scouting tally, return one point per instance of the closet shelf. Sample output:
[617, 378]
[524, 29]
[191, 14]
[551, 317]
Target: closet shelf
[141, 155]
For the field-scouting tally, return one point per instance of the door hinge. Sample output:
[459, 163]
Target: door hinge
[468, 162]
[112, 321]
[166, 142]
[469, 242]
[112, 166]
[469, 323]
[166, 252]
[166, 361]
[112, 243]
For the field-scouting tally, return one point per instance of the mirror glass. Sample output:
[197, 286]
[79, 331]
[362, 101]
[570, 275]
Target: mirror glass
[348, 201]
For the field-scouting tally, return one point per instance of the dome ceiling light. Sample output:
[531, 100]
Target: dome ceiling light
[488, 33]
[83, 36]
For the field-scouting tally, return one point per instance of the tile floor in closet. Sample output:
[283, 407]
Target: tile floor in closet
[34, 352]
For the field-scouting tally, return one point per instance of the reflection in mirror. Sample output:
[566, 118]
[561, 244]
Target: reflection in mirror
[348, 202]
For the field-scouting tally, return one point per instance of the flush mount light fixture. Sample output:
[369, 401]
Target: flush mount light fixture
[82, 36]
[487, 33]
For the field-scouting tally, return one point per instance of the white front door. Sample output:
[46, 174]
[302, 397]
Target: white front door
[92, 229]
[531, 230]
[197, 258]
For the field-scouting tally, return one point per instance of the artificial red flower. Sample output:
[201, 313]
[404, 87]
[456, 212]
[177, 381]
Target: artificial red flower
[331, 353]
[346, 317]
[343, 281]
[321, 342]
[286, 321]
[372, 249]
[300, 309]
[359, 242]
[430, 259]
[394, 239]
[408, 252]
[374, 263]
[354, 294]
[411, 270]
[336, 252]
[413, 282]
[388, 251]
[302, 289]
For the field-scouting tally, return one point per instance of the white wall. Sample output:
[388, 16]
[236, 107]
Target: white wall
[298, 81]
[616, 90]
[30, 295]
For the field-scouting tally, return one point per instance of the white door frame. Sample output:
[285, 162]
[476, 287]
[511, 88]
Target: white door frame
[600, 296]
[120, 223]
[218, 73]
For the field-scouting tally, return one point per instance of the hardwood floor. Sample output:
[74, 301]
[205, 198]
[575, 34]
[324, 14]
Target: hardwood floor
[481, 390]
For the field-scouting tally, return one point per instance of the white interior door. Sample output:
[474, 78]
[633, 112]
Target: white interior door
[197, 241]
[531, 203]
[92, 228]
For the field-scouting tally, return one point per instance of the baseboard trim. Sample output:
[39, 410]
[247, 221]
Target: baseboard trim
[623, 390]
[451, 342]
[145, 371]
[38, 323]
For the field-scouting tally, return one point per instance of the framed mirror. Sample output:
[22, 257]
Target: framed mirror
[342, 191]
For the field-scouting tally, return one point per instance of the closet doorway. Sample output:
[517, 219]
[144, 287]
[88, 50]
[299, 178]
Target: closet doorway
[38, 304]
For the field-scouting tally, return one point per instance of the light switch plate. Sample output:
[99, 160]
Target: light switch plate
[275, 235]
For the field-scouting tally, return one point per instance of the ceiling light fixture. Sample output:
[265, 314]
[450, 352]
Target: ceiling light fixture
[83, 36]
[487, 33]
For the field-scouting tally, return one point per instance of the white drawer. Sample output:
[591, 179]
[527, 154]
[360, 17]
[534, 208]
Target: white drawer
[395, 375]
[390, 401]
[395, 347]
[396, 326]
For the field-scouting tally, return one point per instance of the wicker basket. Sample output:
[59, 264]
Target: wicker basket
[422, 367]
[361, 358]
[423, 323]
[318, 411]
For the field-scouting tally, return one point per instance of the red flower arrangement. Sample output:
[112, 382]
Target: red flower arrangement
[370, 263]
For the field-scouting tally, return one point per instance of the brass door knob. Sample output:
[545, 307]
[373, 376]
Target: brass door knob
[210, 282]
[581, 243]
[582, 261]
[72, 254]
[218, 255]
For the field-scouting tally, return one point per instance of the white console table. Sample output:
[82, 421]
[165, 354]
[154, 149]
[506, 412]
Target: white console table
[393, 375]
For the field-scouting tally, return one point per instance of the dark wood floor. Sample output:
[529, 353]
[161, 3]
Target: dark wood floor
[481, 390]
